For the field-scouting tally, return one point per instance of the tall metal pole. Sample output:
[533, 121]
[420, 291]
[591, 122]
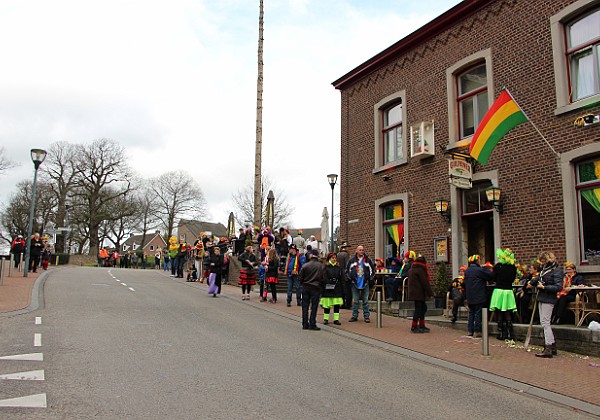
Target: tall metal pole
[259, 108]
[30, 226]
[332, 249]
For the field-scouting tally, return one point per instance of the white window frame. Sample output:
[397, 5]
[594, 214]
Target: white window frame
[558, 24]
[481, 57]
[568, 164]
[379, 219]
[378, 109]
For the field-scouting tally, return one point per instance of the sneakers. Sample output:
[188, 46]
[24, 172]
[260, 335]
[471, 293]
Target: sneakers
[416, 330]
[476, 334]
[353, 319]
[336, 322]
[289, 304]
[367, 320]
[243, 297]
[272, 301]
[325, 322]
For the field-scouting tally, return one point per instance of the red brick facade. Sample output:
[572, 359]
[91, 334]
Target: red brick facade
[515, 40]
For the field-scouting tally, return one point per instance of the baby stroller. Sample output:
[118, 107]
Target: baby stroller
[192, 273]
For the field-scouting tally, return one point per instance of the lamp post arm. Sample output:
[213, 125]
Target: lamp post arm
[30, 225]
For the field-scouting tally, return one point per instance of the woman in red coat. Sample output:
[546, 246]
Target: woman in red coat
[419, 290]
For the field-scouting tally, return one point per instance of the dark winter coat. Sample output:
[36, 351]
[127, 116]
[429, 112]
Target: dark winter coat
[273, 268]
[419, 288]
[343, 257]
[248, 260]
[36, 247]
[551, 276]
[334, 281]
[216, 263]
[476, 280]
[369, 270]
[311, 274]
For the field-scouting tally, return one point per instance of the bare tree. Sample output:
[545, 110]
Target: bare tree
[5, 163]
[15, 217]
[257, 202]
[61, 172]
[177, 195]
[103, 176]
[243, 205]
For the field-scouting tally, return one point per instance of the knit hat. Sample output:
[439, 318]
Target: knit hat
[410, 255]
[462, 267]
[330, 255]
[314, 252]
[474, 258]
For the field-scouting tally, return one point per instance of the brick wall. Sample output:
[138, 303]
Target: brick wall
[518, 33]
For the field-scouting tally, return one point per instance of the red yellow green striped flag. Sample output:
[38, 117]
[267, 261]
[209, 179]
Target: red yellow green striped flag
[503, 116]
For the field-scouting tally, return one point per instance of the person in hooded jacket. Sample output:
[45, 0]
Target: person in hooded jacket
[548, 285]
[419, 290]
[332, 295]
[476, 280]
[18, 248]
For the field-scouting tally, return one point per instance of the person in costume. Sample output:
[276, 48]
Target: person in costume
[548, 285]
[248, 272]
[265, 240]
[503, 297]
[457, 293]
[419, 290]
[272, 275]
[332, 295]
[343, 257]
[173, 251]
[476, 280]
[293, 265]
[17, 248]
[568, 293]
[216, 262]
[393, 282]
[199, 256]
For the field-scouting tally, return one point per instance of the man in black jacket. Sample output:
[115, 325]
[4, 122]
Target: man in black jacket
[311, 279]
[476, 280]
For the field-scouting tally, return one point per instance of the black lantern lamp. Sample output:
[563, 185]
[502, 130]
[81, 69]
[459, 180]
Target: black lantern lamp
[494, 195]
[443, 207]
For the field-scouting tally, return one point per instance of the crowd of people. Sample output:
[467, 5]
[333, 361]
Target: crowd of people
[41, 251]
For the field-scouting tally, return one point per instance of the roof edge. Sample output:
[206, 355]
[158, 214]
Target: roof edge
[459, 12]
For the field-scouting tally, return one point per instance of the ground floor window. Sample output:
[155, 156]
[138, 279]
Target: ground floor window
[393, 226]
[588, 198]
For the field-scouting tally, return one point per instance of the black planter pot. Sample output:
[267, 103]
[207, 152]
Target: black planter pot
[439, 302]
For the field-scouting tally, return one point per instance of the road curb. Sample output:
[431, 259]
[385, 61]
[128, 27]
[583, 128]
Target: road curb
[37, 296]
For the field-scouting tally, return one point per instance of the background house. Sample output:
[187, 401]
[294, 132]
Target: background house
[154, 241]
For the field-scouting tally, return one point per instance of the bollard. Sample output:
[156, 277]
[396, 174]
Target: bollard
[2, 271]
[10, 264]
[484, 332]
[379, 315]
[56, 263]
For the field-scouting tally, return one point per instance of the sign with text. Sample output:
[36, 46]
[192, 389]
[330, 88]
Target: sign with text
[460, 169]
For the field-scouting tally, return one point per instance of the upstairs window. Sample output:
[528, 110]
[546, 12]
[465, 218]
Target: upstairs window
[583, 55]
[393, 150]
[472, 99]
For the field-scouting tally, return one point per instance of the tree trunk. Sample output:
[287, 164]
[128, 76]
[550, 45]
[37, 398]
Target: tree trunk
[258, 150]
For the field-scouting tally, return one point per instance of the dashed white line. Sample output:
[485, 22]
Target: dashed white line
[31, 401]
[124, 284]
[37, 340]
[30, 357]
[132, 289]
[38, 320]
[32, 375]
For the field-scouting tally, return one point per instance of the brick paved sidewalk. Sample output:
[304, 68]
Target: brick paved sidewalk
[573, 375]
[15, 291]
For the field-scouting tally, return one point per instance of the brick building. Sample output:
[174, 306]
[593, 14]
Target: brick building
[412, 108]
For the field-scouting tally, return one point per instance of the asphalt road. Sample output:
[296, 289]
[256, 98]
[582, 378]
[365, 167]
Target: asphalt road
[136, 344]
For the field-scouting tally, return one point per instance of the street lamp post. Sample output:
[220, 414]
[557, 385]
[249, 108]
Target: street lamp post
[37, 156]
[332, 178]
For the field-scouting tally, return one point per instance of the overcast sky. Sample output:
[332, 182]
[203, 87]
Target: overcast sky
[174, 81]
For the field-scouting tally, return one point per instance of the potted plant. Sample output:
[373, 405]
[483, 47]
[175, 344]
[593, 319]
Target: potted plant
[441, 284]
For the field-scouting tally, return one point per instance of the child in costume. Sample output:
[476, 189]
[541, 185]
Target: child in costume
[272, 275]
[503, 298]
[332, 295]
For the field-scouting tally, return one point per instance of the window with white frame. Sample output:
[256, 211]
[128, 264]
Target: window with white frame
[583, 55]
[588, 202]
[390, 134]
[393, 226]
[471, 98]
[393, 150]
[576, 54]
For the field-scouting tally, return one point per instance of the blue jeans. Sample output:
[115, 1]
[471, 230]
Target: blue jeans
[291, 283]
[362, 294]
[474, 322]
[310, 298]
[392, 284]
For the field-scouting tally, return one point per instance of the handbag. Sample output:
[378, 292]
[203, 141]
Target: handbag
[456, 294]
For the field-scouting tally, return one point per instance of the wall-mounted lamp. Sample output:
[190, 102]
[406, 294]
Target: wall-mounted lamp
[443, 207]
[494, 195]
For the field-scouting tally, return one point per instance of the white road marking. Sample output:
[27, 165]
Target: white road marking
[124, 284]
[32, 375]
[31, 401]
[30, 357]
[132, 289]
[37, 340]
[38, 320]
